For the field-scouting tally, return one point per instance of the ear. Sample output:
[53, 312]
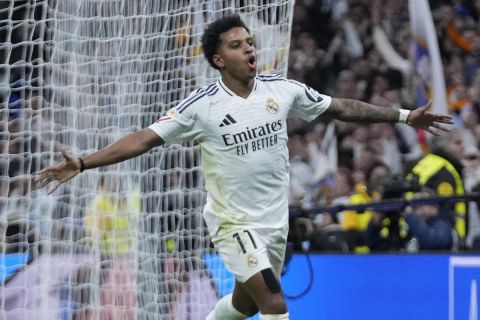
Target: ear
[218, 60]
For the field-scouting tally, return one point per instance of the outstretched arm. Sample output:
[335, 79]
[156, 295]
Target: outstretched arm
[357, 111]
[132, 145]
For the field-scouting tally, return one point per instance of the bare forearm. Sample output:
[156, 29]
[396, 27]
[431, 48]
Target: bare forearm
[125, 148]
[130, 146]
[356, 111]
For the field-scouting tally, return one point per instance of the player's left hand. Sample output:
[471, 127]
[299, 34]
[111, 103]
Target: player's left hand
[422, 118]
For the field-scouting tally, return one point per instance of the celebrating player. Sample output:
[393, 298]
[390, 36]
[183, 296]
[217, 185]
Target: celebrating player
[240, 124]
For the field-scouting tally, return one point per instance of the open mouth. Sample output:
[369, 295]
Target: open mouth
[252, 62]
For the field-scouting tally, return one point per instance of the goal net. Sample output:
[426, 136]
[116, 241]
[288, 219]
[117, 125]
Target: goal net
[125, 241]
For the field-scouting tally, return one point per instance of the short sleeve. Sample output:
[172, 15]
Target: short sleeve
[180, 123]
[308, 103]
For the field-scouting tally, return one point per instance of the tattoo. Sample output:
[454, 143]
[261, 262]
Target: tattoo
[356, 111]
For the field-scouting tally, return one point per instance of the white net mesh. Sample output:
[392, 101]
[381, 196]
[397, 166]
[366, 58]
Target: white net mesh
[126, 241]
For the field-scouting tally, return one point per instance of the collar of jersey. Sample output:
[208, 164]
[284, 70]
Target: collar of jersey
[233, 94]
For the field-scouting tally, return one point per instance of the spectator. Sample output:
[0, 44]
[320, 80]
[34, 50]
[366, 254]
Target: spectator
[386, 145]
[471, 163]
[347, 85]
[426, 225]
[473, 237]
[324, 231]
[355, 223]
[418, 227]
[300, 170]
[441, 171]
[474, 93]
[108, 222]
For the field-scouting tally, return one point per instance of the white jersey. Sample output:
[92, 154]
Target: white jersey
[244, 146]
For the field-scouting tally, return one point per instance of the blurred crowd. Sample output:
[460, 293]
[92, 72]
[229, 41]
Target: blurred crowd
[338, 48]
[352, 49]
[344, 49]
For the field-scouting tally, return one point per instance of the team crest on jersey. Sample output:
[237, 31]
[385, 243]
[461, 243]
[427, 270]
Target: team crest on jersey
[271, 105]
[252, 261]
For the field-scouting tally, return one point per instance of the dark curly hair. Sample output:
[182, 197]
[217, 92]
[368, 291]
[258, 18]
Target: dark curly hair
[211, 37]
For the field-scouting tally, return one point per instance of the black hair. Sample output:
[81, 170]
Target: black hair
[375, 164]
[211, 37]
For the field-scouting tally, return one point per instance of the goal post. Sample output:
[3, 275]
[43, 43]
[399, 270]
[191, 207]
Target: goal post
[126, 241]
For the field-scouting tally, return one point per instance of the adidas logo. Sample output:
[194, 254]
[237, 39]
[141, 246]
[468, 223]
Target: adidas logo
[228, 120]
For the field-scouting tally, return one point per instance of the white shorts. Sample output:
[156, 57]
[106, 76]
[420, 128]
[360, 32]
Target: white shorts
[247, 250]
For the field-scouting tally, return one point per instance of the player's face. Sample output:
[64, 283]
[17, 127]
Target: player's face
[236, 55]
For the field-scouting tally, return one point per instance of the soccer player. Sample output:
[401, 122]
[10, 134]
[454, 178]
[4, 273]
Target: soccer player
[240, 124]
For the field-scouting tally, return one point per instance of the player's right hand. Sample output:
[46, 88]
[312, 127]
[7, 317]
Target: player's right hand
[59, 173]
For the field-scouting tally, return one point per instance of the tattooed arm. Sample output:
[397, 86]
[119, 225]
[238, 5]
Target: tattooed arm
[356, 111]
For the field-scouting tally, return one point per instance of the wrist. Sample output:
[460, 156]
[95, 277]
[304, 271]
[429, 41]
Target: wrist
[403, 115]
[82, 164]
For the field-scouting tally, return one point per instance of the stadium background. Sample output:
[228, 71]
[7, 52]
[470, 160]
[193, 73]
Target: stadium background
[58, 82]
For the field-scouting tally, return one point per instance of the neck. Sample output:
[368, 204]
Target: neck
[240, 87]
